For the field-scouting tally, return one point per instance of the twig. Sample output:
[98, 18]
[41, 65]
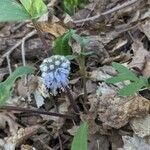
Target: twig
[60, 142]
[9, 66]
[89, 13]
[7, 54]
[13, 108]
[30, 34]
[14, 29]
[15, 46]
[124, 5]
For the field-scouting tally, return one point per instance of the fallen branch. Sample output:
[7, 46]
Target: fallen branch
[13, 108]
[124, 5]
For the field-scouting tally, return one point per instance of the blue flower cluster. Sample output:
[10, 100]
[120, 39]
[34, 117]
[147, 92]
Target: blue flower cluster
[55, 72]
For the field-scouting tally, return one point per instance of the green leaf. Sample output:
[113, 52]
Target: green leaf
[71, 57]
[132, 88]
[70, 6]
[124, 74]
[6, 86]
[35, 8]
[81, 40]
[61, 46]
[80, 138]
[11, 10]
[125, 71]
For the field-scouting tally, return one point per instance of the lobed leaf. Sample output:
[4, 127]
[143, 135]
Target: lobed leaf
[132, 88]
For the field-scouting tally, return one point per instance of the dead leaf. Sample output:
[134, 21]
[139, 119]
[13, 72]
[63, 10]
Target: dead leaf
[102, 73]
[146, 70]
[140, 54]
[56, 29]
[145, 28]
[31, 86]
[20, 136]
[141, 126]
[117, 111]
[27, 147]
[134, 143]
[8, 118]
[38, 98]
[98, 142]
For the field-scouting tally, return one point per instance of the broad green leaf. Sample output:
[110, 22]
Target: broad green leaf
[61, 45]
[35, 8]
[80, 138]
[132, 88]
[11, 10]
[70, 6]
[125, 71]
[118, 78]
[124, 74]
[6, 86]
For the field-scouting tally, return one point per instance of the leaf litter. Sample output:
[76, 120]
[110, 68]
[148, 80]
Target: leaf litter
[118, 33]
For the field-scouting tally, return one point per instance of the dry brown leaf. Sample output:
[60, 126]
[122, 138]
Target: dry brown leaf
[56, 29]
[141, 126]
[21, 136]
[102, 73]
[116, 111]
[9, 119]
[140, 54]
[27, 147]
[57, 121]
[146, 28]
[146, 70]
[134, 143]
[31, 86]
[98, 142]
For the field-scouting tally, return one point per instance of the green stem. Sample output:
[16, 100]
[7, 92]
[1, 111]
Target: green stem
[83, 74]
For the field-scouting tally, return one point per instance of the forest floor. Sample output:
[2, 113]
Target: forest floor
[117, 31]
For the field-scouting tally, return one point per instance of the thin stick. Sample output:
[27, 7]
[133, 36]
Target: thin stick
[15, 46]
[13, 108]
[9, 66]
[124, 5]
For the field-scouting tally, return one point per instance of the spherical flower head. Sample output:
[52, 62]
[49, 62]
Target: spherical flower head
[55, 72]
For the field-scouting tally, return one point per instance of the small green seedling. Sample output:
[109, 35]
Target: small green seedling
[80, 138]
[136, 83]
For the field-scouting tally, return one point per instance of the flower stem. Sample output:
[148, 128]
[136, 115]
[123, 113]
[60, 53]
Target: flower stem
[13, 108]
[71, 99]
[83, 74]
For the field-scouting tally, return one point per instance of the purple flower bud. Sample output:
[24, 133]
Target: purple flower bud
[55, 72]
